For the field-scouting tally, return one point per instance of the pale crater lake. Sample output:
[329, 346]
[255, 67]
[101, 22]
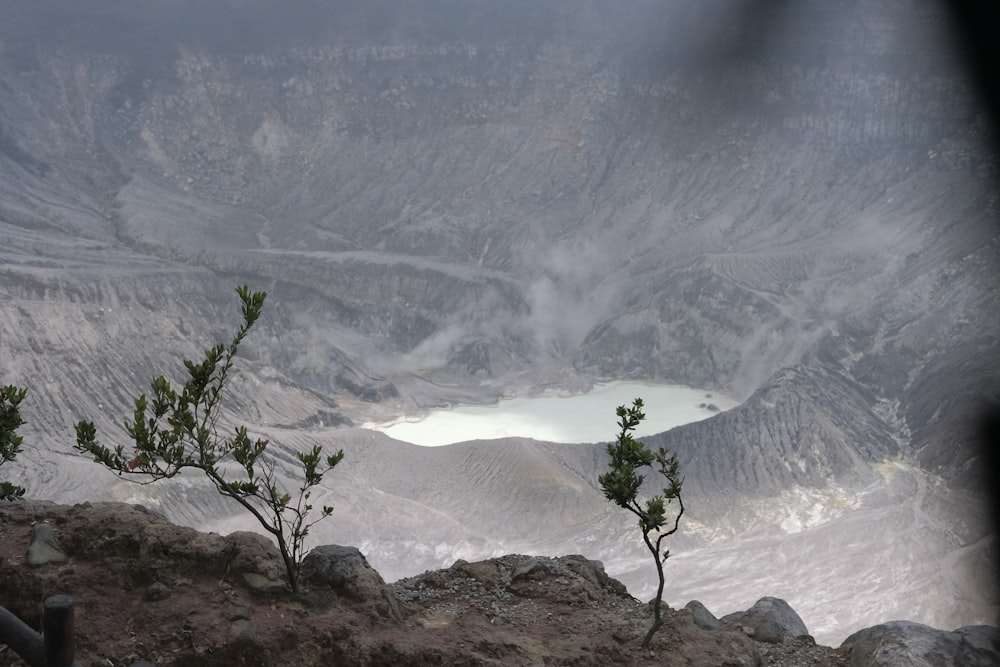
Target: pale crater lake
[583, 418]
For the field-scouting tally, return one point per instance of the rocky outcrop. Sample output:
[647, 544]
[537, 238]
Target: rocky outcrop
[769, 620]
[513, 610]
[702, 617]
[587, 579]
[516, 593]
[917, 645]
[345, 571]
[764, 448]
[507, 611]
[138, 547]
[443, 192]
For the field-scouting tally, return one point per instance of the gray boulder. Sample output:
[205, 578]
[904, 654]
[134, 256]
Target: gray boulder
[593, 571]
[156, 592]
[570, 579]
[917, 645]
[703, 618]
[255, 559]
[770, 620]
[346, 572]
[527, 567]
[42, 549]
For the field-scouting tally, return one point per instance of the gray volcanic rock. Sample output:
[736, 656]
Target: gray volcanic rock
[531, 577]
[345, 571]
[593, 571]
[703, 618]
[764, 445]
[156, 592]
[908, 643]
[43, 549]
[263, 584]
[769, 620]
[137, 545]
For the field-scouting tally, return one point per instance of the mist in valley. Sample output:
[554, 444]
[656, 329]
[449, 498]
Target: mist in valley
[791, 205]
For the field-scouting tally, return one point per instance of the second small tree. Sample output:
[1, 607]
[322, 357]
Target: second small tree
[174, 430]
[621, 485]
[10, 441]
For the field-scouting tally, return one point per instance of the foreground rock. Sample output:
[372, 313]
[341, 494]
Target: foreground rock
[703, 618]
[917, 645]
[42, 551]
[770, 620]
[563, 611]
[148, 590]
[345, 571]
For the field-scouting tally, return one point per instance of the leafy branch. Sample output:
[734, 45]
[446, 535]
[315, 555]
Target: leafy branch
[172, 430]
[10, 442]
[622, 483]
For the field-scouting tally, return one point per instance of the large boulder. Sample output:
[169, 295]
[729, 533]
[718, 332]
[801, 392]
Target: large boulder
[256, 559]
[593, 571]
[346, 572]
[917, 645]
[770, 620]
[569, 579]
[702, 617]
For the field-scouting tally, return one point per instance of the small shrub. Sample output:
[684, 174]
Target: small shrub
[621, 485]
[10, 442]
[173, 430]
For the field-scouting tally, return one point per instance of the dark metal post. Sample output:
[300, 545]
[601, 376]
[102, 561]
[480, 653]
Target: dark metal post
[57, 631]
[21, 639]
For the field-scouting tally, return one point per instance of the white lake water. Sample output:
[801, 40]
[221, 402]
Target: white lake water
[587, 417]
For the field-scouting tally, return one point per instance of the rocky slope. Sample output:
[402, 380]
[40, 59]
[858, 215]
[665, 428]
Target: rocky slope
[451, 201]
[147, 590]
[459, 199]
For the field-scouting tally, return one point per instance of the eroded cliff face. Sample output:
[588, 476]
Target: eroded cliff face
[450, 200]
[698, 203]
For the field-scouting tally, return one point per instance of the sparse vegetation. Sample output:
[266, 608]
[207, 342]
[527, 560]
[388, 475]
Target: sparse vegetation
[174, 430]
[10, 442]
[621, 485]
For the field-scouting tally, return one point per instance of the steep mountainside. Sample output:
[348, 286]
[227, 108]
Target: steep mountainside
[455, 199]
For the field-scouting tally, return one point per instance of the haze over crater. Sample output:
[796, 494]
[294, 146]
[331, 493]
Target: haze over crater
[450, 201]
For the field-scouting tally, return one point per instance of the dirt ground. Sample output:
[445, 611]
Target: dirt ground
[147, 590]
